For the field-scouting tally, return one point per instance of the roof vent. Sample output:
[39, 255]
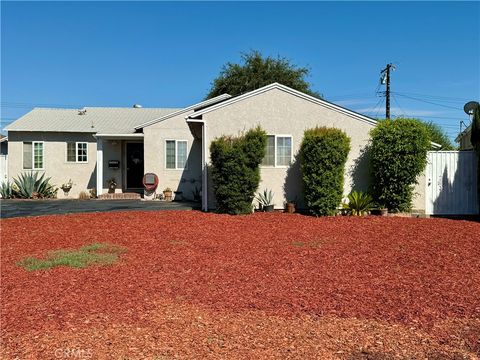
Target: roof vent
[137, 106]
[82, 112]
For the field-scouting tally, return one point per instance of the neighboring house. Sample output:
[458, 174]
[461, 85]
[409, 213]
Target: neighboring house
[463, 139]
[86, 145]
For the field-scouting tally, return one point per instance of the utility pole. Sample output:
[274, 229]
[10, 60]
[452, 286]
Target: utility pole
[385, 79]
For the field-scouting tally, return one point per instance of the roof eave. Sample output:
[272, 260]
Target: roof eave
[188, 108]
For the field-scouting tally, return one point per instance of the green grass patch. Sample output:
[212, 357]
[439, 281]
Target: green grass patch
[93, 254]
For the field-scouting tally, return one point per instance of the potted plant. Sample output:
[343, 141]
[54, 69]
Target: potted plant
[112, 185]
[167, 194]
[290, 207]
[265, 200]
[66, 187]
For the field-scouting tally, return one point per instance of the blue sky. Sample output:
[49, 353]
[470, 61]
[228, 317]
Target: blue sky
[162, 54]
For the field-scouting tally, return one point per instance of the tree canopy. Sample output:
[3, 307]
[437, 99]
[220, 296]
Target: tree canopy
[256, 71]
[438, 135]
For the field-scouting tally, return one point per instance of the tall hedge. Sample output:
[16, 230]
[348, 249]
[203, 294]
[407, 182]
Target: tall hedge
[398, 155]
[235, 170]
[475, 141]
[323, 154]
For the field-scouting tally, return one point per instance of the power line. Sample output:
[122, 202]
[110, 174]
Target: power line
[432, 97]
[429, 102]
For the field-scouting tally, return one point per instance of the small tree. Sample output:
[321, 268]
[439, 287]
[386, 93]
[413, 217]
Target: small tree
[257, 71]
[323, 152]
[475, 140]
[235, 170]
[398, 154]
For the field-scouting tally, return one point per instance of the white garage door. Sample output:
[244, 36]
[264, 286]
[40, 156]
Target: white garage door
[451, 183]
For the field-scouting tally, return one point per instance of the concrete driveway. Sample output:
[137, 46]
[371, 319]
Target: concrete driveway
[20, 208]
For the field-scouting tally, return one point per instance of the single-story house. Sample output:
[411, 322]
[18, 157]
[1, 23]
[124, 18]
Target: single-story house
[463, 139]
[92, 145]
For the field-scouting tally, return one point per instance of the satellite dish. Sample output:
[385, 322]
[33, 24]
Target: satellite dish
[470, 107]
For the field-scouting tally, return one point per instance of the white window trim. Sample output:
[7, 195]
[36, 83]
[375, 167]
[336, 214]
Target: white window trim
[176, 154]
[275, 152]
[76, 152]
[33, 155]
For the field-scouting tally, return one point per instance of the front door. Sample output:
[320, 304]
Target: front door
[134, 162]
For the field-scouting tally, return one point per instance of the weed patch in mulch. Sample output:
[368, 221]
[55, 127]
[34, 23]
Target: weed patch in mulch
[93, 254]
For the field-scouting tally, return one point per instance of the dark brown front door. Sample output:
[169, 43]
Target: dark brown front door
[134, 162]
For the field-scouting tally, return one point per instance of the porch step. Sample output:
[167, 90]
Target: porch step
[120, 196]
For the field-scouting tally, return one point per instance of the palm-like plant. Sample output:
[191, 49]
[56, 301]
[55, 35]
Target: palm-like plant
[29, 186]
[359, 203]
[265, 198]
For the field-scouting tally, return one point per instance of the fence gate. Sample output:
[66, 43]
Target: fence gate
[451, 187]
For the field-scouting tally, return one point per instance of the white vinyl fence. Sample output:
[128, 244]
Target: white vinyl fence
[3, 168]
[451, 187]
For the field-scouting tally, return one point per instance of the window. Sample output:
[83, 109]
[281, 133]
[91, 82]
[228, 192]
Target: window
[77, 152]
[269, 159]
[284, 150]
[176, 154]
[278, 151]
[33, 155]
[82, 152]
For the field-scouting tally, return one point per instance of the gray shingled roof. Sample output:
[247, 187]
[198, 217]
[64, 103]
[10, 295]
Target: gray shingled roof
[102, 120]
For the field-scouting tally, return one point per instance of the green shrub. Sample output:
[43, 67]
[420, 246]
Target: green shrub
[30, 186]
[6, 190]
[475, 141]
[359, 203]
[235, 170]
[398, 155]
[323, 152]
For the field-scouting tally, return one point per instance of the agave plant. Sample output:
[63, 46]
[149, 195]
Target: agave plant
[6, 190]
[265, 199]
[359, 203]
[30, 186]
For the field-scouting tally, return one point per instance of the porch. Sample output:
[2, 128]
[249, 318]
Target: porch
[119, 166]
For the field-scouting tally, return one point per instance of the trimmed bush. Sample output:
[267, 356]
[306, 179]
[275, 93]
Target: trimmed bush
[323, 152]
[398, 155]
[235, 170]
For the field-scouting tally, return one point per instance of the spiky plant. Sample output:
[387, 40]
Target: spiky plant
[265, 198]
[359, 203]
[29, 186]
[6, 190]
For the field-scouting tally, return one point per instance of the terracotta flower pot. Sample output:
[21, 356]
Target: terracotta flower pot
[167, 195]
[290, 208]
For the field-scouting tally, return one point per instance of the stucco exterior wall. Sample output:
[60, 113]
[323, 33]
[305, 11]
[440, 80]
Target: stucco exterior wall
[184, 180]
[55, 162]
[280, 113]
[419, 195]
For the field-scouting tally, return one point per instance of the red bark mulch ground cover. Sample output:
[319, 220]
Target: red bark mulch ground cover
[195, 285]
